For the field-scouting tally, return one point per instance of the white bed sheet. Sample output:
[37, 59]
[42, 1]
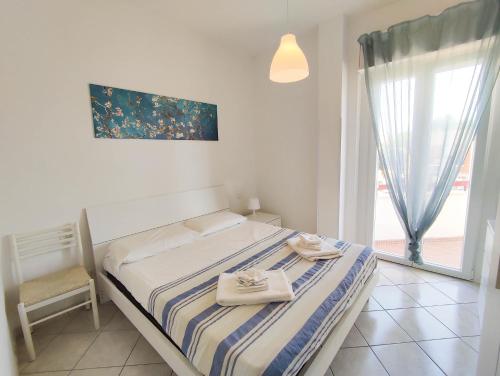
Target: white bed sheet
[142, 277]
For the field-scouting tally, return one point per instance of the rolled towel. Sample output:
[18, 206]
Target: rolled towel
[251, 276]
[327, 251]
[310, 239]
[251, 280]
[279, 290]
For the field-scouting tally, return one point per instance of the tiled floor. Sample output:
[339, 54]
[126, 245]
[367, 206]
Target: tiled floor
[71, 346]
[416, 323]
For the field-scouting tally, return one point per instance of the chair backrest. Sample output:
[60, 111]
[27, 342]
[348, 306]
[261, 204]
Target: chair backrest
[31, 244]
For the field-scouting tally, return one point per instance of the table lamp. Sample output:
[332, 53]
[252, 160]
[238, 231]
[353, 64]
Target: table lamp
[254, 204]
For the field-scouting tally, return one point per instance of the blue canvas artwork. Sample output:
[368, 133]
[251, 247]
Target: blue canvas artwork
[120, 113]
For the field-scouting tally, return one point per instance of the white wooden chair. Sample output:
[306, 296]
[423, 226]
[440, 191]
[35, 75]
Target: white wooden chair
[53, 287]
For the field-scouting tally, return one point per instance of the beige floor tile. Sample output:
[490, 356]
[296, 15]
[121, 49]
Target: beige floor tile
[62, 353]
[400, 276]
[383, 280]
[354, 339]
[459, 291]
[391, 297]
[119, 322]
[378, 327]
[53, 326]
[372, 305]
[144, 353]
[473, 342]
[433, 277]
[425, 294]
[147, 370]
[40, 341]
[460, 320]
[328, 372]
[109, 349]
[452, 355]
[420, 324]
[473, 307]
[83, 321]
[107, 371]
[358, 361]
[406, 359]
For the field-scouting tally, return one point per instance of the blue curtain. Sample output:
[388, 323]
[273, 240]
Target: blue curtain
[429, 82]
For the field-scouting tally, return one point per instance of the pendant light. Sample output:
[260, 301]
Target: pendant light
[289, 62]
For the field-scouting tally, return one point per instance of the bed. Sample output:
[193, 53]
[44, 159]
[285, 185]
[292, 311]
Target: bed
[170, 297]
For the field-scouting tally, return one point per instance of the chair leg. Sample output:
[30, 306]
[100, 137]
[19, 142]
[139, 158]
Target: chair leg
[93, 298]
[28, 340]
[88, 306]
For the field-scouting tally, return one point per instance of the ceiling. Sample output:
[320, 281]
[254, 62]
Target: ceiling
[251, 25]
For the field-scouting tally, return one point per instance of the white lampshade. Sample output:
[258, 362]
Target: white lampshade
[289, 62]
[254, 203]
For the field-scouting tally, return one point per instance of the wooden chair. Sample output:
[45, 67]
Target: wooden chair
[53, 287]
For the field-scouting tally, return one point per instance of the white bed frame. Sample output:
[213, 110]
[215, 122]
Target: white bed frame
[113, 221]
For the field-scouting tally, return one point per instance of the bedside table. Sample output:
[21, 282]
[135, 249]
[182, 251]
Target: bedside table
[272, 219]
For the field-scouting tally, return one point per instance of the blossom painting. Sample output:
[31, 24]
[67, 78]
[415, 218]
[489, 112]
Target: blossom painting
[120, 113]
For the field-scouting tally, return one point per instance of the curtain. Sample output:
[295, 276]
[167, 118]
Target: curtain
[429, 82]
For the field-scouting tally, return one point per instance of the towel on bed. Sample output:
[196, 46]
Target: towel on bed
[251, 280]
[326, 251]
[310, 239]
[279, 290]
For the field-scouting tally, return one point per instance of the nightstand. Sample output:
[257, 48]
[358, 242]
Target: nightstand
[272, 219]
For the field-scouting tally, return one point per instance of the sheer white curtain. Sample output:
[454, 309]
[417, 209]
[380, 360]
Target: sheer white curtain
[429, 82]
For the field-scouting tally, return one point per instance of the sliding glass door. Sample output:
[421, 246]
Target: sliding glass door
[444, 241]
[444, 246]
[388, 235]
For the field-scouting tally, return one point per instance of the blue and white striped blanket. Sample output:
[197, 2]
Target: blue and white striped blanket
[266, 339]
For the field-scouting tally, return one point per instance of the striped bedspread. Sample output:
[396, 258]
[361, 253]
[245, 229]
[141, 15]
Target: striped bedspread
[266, 339]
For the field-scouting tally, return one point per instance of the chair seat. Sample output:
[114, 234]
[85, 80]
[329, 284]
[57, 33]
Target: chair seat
[54, 284]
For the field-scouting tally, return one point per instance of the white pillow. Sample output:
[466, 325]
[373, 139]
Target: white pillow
[208, 224]
[149, 243]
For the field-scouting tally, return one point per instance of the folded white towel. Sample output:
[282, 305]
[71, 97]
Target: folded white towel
[310, 239]
[323, 246]
[242, 283]
[243, 289]
[279, 290]
[315, 247]
[251, 276]
[327, 250]
[251, 280]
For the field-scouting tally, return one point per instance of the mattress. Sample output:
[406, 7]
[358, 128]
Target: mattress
[177, 288]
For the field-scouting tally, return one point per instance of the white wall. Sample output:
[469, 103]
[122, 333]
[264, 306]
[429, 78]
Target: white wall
[330, 66]
[286, 127]
[52, 166]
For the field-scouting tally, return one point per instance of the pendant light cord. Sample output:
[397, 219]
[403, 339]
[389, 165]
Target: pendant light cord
[287, 21]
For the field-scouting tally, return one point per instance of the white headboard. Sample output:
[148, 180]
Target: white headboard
[112, 221]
